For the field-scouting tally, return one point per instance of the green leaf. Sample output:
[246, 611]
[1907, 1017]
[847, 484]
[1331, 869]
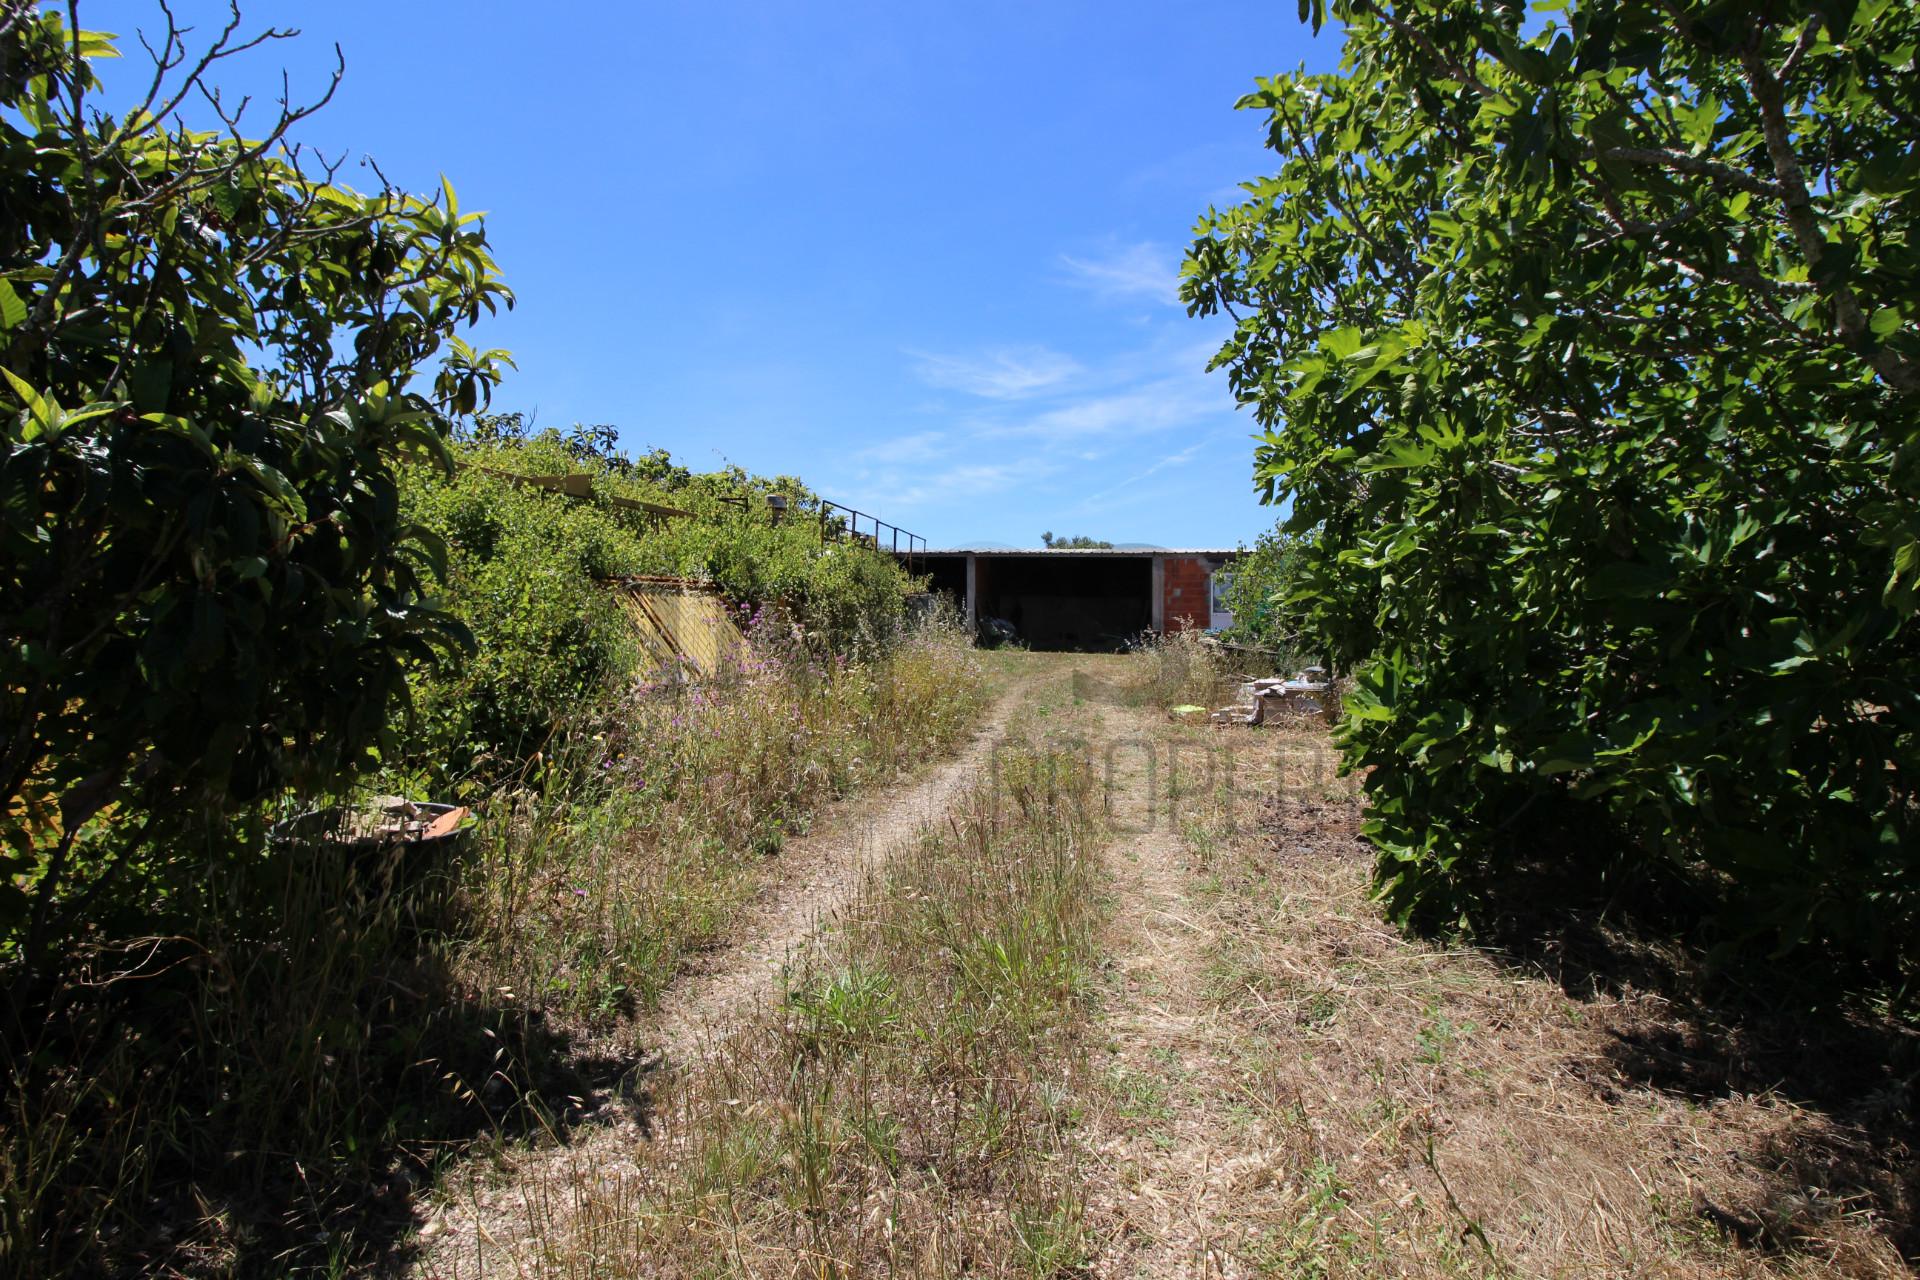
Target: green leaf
[13, 312]
[1341, 343]
[45, 414]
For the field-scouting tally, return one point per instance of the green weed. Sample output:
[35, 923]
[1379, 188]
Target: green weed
[918, 1072]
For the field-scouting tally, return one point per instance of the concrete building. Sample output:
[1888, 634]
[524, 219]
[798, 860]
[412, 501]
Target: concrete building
[1075, 598]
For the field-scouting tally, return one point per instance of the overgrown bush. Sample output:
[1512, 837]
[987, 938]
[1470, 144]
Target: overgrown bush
[527, 574]
[530, 574]
[846, 592]
[1181, 668]
[208, 353]
[1585, 349]
[1260, 598]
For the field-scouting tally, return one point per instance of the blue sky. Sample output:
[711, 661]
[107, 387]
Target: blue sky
[923, 255]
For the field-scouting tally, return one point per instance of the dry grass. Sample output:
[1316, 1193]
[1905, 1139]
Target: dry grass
[1160, 1030]
[1181, 669]
[902, 1109]
[272, 1093]
[1428, 1111]
[588, 899]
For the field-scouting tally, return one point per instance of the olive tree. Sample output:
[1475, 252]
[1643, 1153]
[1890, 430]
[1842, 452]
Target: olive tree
[210, 356]
[1583, 340]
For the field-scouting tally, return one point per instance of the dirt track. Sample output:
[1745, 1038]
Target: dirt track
[1277, 1078]
[1165, 1158]
[503, 1222]
[817, 875]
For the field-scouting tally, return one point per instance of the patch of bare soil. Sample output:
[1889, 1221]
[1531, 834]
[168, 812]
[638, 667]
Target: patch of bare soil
[1296, 1088]
[500, 1215]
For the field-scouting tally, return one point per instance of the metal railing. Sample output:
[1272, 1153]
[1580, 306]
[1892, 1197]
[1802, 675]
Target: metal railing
[884, 536]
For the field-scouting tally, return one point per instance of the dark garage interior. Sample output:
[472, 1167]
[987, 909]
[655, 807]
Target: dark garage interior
[1060, 602]
[947, 575]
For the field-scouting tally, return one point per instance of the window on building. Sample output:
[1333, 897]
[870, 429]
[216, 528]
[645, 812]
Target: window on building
[1222, 583]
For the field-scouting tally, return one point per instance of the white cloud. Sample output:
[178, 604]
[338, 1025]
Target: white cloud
[900, 451]
[1178, 459]
[1027, 430]
[1158, 405]
[1143, 270]
[1212, 167]
[1004, 373]
[979, 480]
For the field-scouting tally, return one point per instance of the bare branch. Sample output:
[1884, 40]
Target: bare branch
[188, 174]
[172, 52]
[206, 60]
[1719, 173]
[1805, 225]
[1804, 43]
[190, 177]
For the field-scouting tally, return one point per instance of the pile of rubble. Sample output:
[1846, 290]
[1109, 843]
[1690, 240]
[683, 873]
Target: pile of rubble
[1277, 697]
[382, 823]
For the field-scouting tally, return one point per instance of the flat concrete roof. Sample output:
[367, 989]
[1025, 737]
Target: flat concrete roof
[1079, 551]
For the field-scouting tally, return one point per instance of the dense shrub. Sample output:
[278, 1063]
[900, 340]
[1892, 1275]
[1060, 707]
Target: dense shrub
[1260, 597]
[1185, 669]
[1585, 348]
[208, 360]
[526, 575]
[529, 570]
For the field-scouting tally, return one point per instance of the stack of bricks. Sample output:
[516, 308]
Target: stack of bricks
[1186, 594]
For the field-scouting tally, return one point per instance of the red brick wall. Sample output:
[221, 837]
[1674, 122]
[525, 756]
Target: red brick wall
[1184, 594]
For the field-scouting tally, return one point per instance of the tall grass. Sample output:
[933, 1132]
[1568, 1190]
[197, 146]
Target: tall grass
[265, 1089]
[1180, 669]
[198, 1102]
[905, 1108]
[588, 895]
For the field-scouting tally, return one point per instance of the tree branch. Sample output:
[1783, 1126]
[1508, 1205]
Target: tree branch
[1850, 318]
[1725, 175]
